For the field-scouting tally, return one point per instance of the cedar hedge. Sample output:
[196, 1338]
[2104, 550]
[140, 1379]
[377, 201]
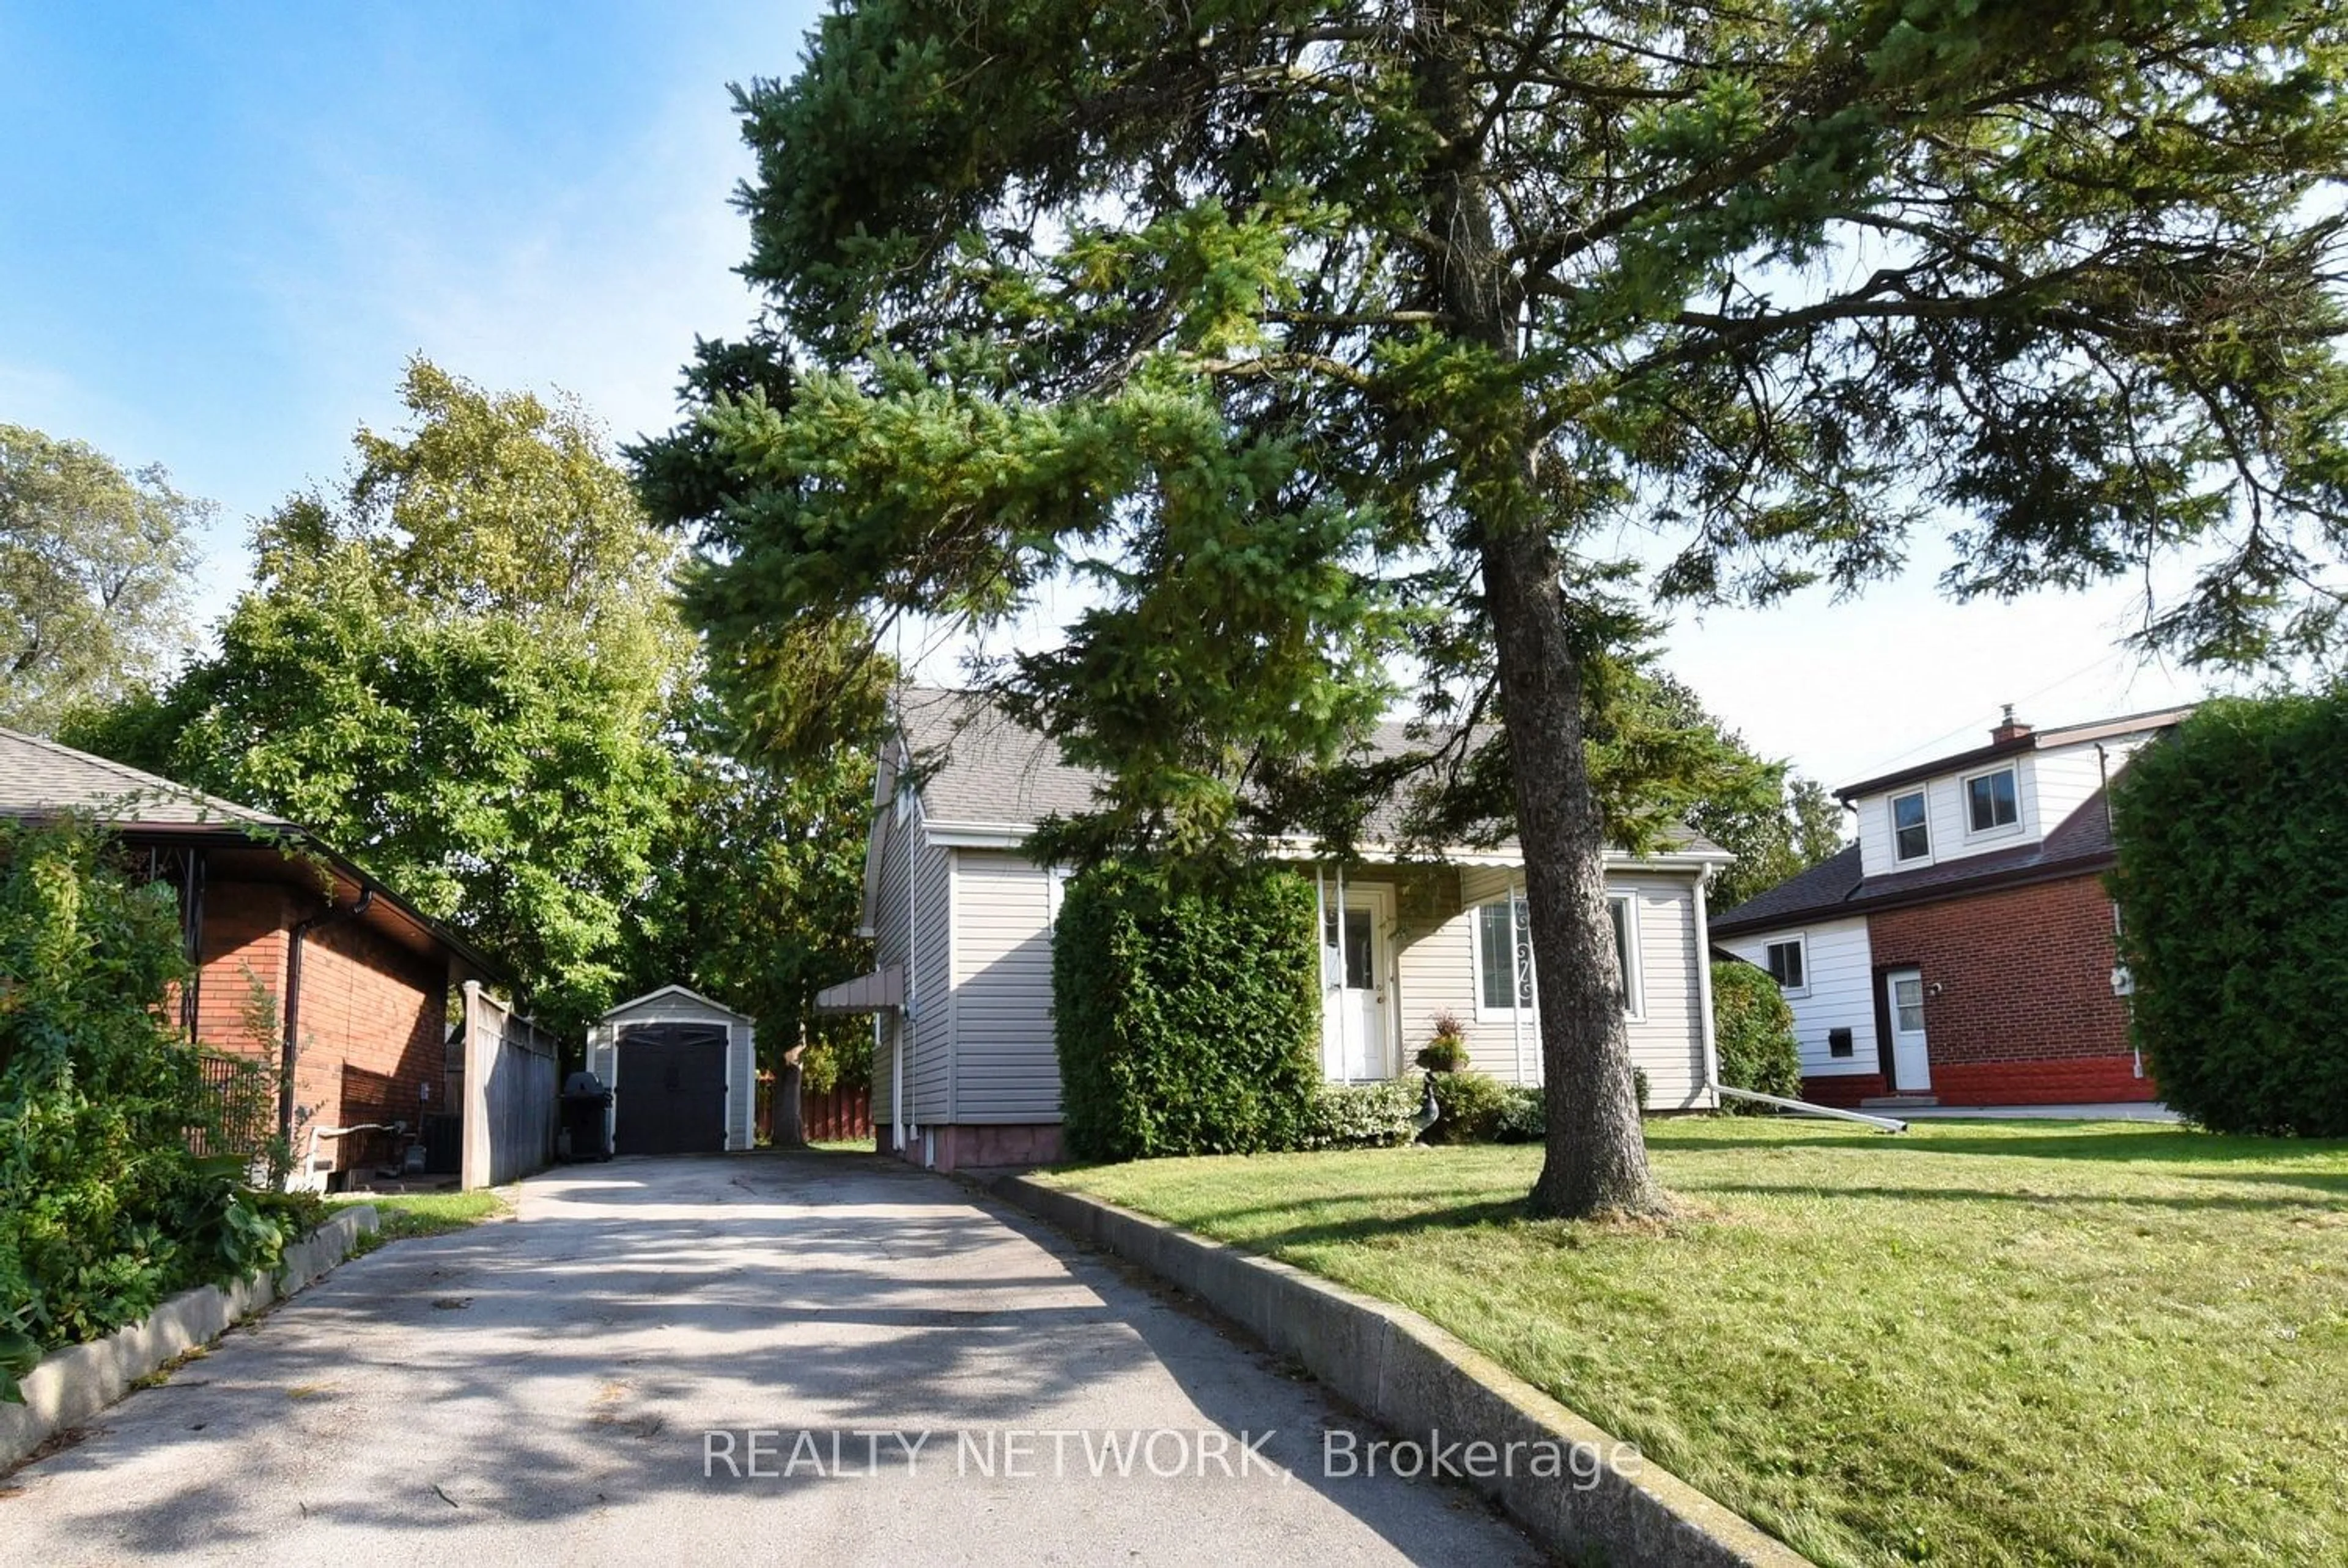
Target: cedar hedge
[1754, 1029]
[2232, 883]
[1187, 1020]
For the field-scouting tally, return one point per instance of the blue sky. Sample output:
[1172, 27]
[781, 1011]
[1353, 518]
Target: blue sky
[225, 228]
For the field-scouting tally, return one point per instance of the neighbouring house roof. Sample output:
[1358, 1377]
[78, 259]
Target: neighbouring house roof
[2081, 844]
[982, 769]
[2028, 740]
[40, 778]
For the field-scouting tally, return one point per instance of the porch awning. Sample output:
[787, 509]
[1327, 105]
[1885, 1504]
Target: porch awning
[865, 993]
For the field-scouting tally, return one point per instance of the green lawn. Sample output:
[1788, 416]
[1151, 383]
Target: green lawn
[405, 1214]
[1974, 1342]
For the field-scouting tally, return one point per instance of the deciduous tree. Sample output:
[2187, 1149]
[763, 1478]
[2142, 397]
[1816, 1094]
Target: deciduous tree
[458, 668]
[95, 565]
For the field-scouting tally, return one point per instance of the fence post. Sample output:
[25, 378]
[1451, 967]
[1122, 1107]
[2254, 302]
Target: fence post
[480, 1055]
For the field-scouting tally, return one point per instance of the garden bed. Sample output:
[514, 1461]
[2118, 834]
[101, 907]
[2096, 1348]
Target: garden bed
[2111, 1343]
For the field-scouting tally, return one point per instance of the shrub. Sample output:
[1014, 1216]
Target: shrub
[105, 1209]
[1363, 1115]
[1524, 1115]
[1187, 1022]
[1524, 1119]
[2232, 883]
[1472, 1104]
[1754, 1030]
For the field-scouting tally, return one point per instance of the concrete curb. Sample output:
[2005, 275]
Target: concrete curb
[1420, 1380]
[75, 1383]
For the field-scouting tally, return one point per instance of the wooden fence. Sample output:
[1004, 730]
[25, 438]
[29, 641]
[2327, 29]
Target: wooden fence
[513, 1083]
[839, 1115]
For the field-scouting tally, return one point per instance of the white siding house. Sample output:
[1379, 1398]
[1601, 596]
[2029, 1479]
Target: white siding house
[965, 1069]
[1834, 1017]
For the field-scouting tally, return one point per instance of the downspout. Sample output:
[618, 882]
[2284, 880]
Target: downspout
[1720, 1091]
[905, 1021]
[292, 1048]
[2111, 831]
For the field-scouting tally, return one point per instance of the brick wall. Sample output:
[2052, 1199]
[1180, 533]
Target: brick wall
[2018, 997]
[245, 925]
[372, 1026]
[372, 1013]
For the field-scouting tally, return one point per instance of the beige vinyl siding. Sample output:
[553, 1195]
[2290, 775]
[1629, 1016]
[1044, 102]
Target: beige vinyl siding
[892, 944]
[1005, 1066]
[930, 1085]
[1438, 975]
[1666, 1039]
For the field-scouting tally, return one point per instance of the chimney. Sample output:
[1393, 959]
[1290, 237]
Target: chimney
[2009, 728]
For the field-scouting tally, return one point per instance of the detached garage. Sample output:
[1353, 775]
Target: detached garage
[681, 1072]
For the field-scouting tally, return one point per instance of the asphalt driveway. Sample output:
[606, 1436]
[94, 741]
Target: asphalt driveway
[822, 1359]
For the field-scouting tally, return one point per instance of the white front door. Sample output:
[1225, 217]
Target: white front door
[1912, 1070]
[1353, 988]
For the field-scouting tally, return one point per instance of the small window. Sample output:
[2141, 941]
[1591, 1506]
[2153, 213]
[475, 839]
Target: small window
[1787, 966]
[1626, 948]
[1991, 801]
[1504, 955]
[1911, 838]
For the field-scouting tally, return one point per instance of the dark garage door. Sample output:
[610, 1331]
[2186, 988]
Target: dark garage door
[671, 1089]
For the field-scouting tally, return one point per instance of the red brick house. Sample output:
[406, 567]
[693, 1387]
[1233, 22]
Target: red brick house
[1961, 952]
[354, 983]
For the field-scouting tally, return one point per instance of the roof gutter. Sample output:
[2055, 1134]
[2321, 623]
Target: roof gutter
[1014, 836]
[291, 1050]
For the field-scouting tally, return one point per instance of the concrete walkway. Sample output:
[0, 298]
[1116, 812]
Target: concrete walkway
[583, 1384]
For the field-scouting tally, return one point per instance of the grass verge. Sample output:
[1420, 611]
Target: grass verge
[403, 1216]
[1976, 1342]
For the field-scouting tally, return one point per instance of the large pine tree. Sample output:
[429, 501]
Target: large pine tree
[1310, 335]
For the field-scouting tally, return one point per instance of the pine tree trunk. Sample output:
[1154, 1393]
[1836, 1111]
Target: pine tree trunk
[1597, 1156]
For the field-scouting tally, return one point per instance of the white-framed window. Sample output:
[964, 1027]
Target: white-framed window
[1502, 937]
[1625, 911]
[1055, 888]
[1911, 834]
[1992, 802]
[1787, 959]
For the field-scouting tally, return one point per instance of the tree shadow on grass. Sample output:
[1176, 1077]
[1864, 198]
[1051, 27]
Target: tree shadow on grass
[2101, 1143]
[2328, 1189]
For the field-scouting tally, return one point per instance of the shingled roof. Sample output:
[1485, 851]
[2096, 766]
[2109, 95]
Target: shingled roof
[980, 767]
[39, 777]
[2081, 843]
